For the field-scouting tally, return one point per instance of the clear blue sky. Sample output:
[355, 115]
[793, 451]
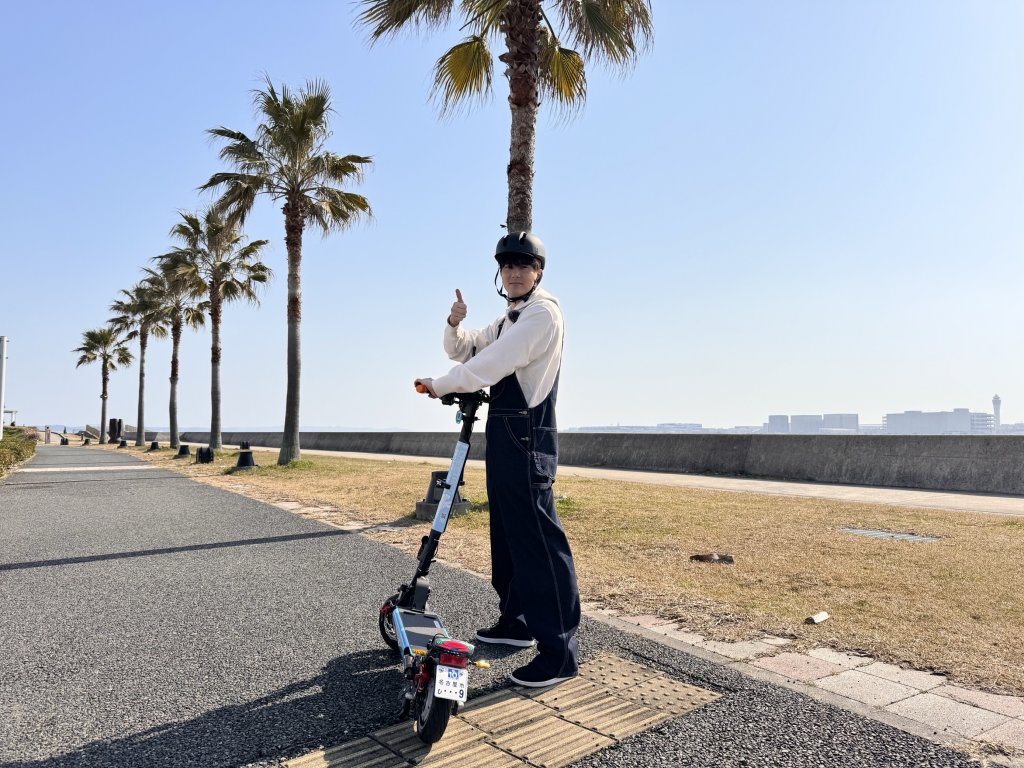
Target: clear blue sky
[787, 207]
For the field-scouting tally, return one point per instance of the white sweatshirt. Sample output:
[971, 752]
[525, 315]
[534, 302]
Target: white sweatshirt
[531, 347]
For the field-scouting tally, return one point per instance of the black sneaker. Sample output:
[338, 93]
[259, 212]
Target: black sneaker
[537, 675]
[501, 634]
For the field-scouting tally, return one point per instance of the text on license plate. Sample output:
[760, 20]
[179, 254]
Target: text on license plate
[451, 683]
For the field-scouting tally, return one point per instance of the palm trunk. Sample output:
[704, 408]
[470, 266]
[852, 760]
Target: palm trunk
[140, 419]
[215, 316]
[294, 220]
[173, 401]
[105, 376]
[520, 21]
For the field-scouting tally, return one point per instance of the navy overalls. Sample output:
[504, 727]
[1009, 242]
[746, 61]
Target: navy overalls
[531, 564]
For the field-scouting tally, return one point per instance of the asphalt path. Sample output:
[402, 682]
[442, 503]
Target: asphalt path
[149, 620]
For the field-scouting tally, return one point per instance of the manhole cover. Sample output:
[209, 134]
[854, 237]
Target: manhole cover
[888, 534]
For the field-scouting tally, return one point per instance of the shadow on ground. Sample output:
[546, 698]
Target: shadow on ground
[352, 695]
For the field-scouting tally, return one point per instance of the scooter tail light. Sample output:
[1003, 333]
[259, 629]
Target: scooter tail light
[455, 646]
[452, 660]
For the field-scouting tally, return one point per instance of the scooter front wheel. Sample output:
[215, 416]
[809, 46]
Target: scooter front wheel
[432, 715]
[386, 623]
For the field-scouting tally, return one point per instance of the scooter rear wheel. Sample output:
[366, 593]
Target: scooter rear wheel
[432, 715]
[386, 625]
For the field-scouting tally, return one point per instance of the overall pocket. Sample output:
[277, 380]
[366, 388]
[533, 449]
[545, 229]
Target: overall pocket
[518, 430]
[544, 457]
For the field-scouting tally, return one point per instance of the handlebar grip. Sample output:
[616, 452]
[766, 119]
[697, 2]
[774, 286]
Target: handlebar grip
[422, 389]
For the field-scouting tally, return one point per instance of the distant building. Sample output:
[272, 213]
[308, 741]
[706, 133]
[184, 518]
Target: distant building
[840, 421]
[805, 425]
[983, 423]
[997, 404]
[679, 427]
[777, 425]
[959, 421]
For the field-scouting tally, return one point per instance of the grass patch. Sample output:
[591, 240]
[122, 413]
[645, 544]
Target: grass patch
[951, 606]
[16, 445]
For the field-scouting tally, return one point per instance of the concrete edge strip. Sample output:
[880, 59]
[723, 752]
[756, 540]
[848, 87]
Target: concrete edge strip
[913, 727]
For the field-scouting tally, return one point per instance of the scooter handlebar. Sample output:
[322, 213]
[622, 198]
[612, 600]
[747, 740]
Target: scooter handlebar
[463, 398]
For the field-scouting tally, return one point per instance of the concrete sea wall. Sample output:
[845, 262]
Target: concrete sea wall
[978, 464]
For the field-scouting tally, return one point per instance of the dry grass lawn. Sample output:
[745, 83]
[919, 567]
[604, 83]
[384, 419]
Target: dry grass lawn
[953, 606]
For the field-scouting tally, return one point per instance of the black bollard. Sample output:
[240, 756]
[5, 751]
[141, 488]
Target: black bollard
[244, 446]
[183, 451]
[154, 446]
[123, 443]
[204, 455]
[245, 460]
[87, 441]
[426, 509]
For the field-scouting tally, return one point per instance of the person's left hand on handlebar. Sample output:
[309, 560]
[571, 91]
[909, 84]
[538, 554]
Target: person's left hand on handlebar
[428, 387]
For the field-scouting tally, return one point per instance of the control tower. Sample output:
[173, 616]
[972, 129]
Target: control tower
[996, 404]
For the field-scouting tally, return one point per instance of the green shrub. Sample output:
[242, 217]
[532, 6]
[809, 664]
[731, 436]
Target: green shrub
[16, 446]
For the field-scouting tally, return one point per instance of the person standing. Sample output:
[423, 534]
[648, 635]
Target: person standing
[519, 357]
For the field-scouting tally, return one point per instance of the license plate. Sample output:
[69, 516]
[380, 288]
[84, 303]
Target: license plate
[451, 683]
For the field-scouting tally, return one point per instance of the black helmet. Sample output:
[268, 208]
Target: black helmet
[523, 244]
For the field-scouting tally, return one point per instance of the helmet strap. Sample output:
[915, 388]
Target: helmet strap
[514, 299]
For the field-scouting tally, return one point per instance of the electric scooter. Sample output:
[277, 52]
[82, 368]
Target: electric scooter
[435, 665]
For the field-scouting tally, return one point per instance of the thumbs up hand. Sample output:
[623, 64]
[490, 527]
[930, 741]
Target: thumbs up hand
[459, 310]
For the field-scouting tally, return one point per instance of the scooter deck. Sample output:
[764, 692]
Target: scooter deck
[421, 627]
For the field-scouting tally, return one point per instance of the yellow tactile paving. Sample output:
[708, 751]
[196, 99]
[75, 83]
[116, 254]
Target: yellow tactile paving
[571, 693]
[463, 746]
[503, 711]
[551, 742]
[480, 755]
[617, 718]
[361, 753]
[615, 673]
[545, 728]
[668, 695]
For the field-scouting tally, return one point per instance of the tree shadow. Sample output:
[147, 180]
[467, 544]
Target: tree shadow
[353, 695]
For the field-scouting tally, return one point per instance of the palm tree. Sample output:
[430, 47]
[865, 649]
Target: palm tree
[178, 308]
[138, 317]
[103, 344]
[218, 266]
[288, 160]
[536, 63]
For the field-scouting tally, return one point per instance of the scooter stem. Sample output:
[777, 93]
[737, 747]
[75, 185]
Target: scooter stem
[468, 404]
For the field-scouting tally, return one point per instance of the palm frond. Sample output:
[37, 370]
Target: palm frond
[139, 310]
[252, 250]
[483, 16]
[331, 209]
[195, 317]
[563, 76]
[386, 17]
[465, 72]
[615, 30]
[122, 356]
[338, 168]
[238, 199]
[228, 133]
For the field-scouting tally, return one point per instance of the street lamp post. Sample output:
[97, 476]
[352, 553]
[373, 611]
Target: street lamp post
[3, 381]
